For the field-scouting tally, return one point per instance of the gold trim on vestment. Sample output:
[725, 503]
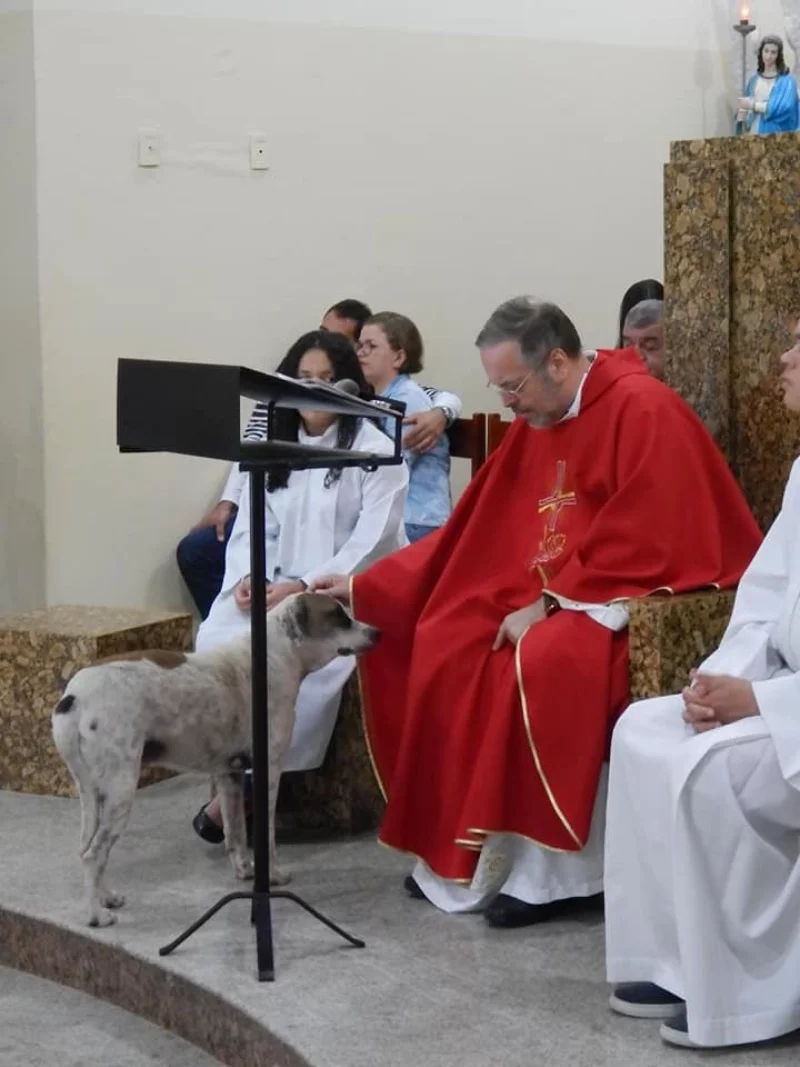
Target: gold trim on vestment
[524, 837]
[523, 699]
[379, 779]
[472, 846]
[534, 753]
[425, 863]
[362, 698]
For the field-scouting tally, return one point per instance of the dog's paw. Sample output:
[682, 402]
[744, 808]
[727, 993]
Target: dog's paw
[102, 917]
[112, 900]
[278, 877]
[242, 868]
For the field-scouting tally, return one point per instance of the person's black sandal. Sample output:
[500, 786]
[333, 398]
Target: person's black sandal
[210, 831]
[205, 827]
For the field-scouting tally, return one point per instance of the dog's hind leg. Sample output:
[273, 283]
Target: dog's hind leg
[231, 798]
[113, 800]
[88, 814]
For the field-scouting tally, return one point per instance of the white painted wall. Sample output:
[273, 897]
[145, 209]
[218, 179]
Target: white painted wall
[433, 158]
[679, 24]
[22, 558]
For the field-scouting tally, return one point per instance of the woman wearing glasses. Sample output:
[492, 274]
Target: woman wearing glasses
[389, 351]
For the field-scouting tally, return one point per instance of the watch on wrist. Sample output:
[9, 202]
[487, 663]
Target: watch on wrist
[449, 416]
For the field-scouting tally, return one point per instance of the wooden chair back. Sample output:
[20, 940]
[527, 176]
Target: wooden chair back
[468, 440]
[496, 428]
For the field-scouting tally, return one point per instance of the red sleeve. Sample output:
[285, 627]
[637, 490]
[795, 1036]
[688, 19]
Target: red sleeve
[394, 591]
[676, 518]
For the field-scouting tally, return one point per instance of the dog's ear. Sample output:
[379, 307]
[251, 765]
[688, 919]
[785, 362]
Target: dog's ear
[302, 616]
[340, 617]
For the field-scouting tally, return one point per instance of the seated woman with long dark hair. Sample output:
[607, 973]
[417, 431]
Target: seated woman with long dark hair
[317, 522]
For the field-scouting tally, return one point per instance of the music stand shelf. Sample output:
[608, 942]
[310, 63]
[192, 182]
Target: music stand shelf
[194, 409]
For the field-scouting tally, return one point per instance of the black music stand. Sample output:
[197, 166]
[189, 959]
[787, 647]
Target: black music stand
[194, 409]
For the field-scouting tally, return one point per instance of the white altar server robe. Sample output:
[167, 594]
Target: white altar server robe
[702, 870]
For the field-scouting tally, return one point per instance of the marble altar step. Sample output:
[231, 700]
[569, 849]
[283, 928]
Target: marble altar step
[43, 1024]
[429, 989]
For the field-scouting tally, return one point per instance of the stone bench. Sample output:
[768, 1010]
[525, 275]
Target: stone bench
[342, 797]
[39, 653]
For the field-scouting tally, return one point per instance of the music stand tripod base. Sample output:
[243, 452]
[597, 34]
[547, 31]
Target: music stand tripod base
[267, 974]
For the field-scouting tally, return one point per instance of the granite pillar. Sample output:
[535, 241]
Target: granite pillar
[732, 274]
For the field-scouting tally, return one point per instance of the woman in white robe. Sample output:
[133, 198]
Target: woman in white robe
[315, 520]
[702, 869]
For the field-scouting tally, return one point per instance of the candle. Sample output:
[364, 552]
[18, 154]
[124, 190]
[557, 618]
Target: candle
[744, 14]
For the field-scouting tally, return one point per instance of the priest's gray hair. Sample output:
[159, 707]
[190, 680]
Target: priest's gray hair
[647, 313]
[538, 327]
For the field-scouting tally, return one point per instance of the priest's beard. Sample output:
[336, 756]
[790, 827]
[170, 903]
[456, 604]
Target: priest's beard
[543, 422]
[550, 400]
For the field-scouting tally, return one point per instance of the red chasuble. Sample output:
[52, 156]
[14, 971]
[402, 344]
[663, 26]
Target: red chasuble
[630, 497]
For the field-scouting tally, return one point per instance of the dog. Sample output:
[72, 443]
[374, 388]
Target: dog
[189, 712]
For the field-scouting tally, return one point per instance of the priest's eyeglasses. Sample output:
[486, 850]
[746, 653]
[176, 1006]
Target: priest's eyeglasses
[510, 390]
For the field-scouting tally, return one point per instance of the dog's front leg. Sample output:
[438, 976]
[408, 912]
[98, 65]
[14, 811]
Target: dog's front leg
[231, 796]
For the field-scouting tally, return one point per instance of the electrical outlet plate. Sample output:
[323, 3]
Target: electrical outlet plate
[258, 152]
[149, 152]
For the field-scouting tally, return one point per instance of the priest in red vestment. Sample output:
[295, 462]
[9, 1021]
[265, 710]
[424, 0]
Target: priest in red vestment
[504, 658]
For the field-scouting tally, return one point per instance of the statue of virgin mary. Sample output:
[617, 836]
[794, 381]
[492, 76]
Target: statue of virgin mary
[771, 103]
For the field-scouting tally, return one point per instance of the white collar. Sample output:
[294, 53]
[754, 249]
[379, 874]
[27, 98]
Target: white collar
[574, 409]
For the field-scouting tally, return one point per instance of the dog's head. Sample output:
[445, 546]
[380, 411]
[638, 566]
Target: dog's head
[324, 630]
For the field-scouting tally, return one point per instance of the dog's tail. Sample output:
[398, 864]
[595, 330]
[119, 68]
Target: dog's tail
[67, 738]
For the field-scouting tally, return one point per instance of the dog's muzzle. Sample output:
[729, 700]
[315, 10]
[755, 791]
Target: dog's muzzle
[368, 638]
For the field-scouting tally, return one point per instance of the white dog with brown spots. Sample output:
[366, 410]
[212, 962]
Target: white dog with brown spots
[189, 712]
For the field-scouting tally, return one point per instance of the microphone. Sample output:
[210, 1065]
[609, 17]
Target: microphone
[347, 385]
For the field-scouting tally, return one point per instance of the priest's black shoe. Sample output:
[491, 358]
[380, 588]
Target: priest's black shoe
[412, 888]
[508, 912]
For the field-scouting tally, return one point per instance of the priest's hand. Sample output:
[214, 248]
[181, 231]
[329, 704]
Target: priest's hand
[279, 591]
[714, 701]
[426, 429]
[514, 625]
[335, 585]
